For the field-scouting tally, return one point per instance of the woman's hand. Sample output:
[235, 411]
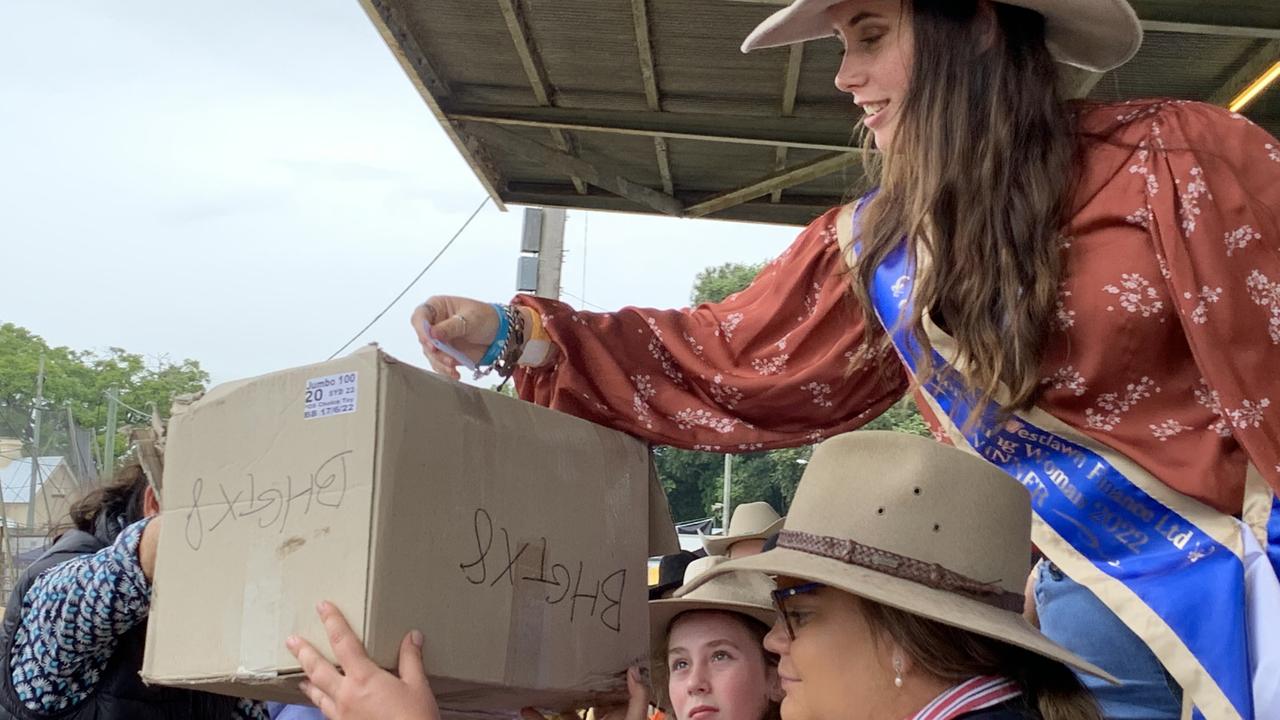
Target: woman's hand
[467, 325]
[363, 691]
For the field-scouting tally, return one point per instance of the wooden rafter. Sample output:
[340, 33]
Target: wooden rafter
[809, 134]
[563, 162]
[537, 76]
[431, 87]
[790, 85]
[649, 76]
[1256, 64]
[791, 177]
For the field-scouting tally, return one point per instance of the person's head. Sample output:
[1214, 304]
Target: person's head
[746, 548]
[671, 569]
[751, 524]
[108, 509]
[708, 656]
[904, 558]
[965, 101]
[863, 660]
[717, 667]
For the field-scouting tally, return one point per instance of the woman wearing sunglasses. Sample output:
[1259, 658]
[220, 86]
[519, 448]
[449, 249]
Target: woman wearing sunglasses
[899, 570]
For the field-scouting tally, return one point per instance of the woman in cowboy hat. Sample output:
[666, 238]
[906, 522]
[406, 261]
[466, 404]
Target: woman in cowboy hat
[1087, 295]
[707, 657]
[898, 575]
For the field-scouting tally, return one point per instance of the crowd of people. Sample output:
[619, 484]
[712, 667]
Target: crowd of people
[1080, 296]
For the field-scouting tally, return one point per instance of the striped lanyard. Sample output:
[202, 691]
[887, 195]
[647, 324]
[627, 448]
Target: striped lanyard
[969, 696]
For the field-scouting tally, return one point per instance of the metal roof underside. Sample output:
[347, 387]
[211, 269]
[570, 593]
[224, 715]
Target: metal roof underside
[648, 105]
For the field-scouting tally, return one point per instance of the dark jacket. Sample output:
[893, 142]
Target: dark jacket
[120, 694]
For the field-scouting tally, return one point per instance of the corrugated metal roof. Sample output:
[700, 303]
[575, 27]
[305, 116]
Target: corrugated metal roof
[15, 478]
[548, 99]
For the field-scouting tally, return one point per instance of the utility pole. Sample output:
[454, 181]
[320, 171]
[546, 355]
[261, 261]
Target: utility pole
[551, 254]
[541, 252]
[728, 482]
[109, 442]
[35, 445]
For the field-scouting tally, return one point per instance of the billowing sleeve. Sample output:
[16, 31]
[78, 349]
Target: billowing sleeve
[766, 368]
[1213, 193]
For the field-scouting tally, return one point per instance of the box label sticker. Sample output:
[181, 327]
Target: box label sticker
[330, 395]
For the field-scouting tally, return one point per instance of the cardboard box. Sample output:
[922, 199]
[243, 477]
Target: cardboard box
[515, 537]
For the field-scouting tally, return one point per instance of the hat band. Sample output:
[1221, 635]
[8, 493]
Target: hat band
[928, 574]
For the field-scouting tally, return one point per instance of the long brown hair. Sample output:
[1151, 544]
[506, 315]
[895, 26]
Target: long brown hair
[108, 508]
[949, 653]
[978, 181]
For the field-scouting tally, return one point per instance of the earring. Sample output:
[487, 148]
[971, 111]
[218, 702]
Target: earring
[897, 671]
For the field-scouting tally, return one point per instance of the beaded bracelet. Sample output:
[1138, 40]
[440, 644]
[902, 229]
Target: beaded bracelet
[499, 344]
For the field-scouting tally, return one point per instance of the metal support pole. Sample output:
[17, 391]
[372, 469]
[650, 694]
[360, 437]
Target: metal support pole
[728, 484]
[551, 253]
[109, 441]
[35, 445]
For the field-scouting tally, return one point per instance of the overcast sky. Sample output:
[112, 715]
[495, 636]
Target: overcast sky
[248, 183]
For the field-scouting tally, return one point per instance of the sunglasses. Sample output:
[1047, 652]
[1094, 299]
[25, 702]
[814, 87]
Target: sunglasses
[781, 597]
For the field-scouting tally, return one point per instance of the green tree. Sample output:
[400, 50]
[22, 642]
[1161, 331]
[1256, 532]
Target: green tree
[717, 283]
[80, 379]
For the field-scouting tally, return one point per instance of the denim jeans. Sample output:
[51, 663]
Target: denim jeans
[1072, 617]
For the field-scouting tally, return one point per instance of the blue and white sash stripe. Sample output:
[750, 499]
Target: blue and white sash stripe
[1190, 580]
[1273, 534]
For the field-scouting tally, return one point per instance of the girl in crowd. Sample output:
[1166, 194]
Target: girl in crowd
[1086, 295]
[75, 626]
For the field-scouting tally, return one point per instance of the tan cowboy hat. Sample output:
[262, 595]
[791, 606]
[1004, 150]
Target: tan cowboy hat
[746, 593]
[751, 521]
[1097, 35]
[911, 523]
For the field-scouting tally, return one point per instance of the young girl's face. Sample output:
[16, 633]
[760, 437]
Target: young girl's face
[716, 668]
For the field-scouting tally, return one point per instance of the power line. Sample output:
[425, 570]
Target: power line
[130, 408]
[413, 282]
[581, 300]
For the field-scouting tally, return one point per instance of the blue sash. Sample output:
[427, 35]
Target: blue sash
[1195, 584]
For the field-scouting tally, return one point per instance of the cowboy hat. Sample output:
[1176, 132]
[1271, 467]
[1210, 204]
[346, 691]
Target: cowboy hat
[743, 593]
[913, 524]
[671, 570]
[751, 521]
[1097, 35]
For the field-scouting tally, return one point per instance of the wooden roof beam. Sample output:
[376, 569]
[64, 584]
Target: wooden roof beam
[790, 84]
[431, 87]
[800, 174]
[1256, 64]
[537, 76]
[772, 132]
[563, 162]
[649, 76]
[1220, 30]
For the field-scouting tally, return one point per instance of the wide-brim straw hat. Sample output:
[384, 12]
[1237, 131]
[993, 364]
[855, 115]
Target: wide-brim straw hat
[913, 524]
[750, 521]
[745, 593]
[1097, 35]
